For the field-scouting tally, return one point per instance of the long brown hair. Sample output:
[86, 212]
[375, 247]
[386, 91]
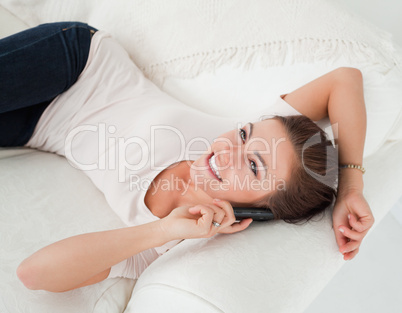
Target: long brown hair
[312, 185]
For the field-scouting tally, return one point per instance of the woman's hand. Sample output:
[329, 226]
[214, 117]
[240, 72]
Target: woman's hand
[352, 219]
[187, 222]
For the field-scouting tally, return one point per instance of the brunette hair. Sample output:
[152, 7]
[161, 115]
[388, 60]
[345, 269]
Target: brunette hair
[312, 184]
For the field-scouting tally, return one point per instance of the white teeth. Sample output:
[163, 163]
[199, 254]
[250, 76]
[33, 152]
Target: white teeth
[214, 167]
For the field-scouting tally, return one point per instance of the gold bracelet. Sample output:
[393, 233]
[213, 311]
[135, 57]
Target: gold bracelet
[359, 167]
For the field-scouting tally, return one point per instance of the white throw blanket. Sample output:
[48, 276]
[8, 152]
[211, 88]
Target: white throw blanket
[183, 38]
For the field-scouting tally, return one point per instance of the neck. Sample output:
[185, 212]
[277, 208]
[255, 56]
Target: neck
[173, 188]
[187, 193]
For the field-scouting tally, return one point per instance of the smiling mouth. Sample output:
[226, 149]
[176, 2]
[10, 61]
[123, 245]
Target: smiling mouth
[213, 167]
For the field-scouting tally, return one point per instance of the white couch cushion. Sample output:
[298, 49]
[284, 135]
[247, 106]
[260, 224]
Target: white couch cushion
[43, 199]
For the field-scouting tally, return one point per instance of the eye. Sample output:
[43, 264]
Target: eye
[243, 137]
[253, 167]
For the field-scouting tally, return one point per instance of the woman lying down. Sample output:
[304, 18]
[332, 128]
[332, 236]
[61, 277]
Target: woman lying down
[70, 89]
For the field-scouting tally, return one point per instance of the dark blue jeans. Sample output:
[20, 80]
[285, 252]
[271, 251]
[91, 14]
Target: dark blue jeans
[36, 66]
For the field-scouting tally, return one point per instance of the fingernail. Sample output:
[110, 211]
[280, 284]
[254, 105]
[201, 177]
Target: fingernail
[348, 216]
[217, 200]
[341, 230]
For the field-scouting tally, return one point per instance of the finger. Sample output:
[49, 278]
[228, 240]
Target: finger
[339, 223]
[361, 210]
[341, 239]
[350, 255]
[229, 218]
[195, 209]
[216, 216]
[207, 214]
[362, 224]
[206, 218]
[351, 234]
[349, 247]
[339, 219]
[236, 227]
[219, 214]
[198, 210]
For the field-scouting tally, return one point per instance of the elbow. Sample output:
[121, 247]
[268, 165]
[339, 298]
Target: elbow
[349, 74]
[26, 276]
[29, 275]
[35, 276]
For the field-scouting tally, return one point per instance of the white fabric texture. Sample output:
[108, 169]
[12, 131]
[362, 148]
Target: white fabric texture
[43, 199]
[133, 267]
[266, 34]
[154, 33]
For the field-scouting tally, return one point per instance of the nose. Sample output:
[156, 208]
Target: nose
[226, 153]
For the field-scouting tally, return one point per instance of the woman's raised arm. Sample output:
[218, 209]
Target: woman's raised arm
[339, 96]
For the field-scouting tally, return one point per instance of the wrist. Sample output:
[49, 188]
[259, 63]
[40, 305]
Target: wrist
[350, 180]
[156, 234]
[163, 231]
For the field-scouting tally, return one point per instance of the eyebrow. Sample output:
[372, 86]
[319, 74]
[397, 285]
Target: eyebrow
[256, 152]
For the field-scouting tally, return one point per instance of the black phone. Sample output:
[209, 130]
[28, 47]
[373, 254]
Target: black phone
[257, 214]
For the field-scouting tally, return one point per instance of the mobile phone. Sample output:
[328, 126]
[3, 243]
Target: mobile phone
[257, 214]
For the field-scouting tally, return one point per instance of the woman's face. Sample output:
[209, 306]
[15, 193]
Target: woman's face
[244, 165]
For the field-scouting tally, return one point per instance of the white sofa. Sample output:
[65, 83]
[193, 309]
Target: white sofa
[270, 267]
